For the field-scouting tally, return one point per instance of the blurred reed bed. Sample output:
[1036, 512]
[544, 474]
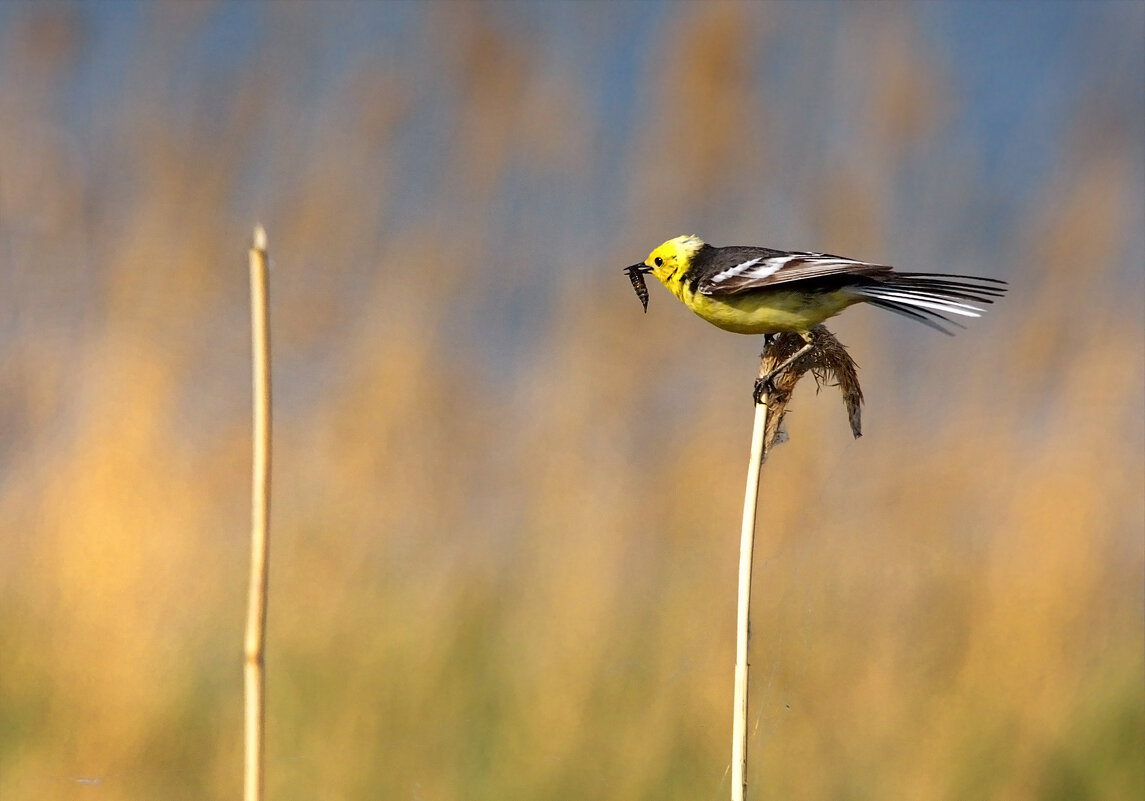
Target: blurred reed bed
[506, 502]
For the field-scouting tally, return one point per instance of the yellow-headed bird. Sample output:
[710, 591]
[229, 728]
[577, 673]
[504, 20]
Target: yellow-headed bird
[754, 290]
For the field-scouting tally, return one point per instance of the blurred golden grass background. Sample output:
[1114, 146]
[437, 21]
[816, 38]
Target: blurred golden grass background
[505, 503]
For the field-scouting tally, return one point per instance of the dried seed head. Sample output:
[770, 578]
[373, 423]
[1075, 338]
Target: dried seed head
[828, 362]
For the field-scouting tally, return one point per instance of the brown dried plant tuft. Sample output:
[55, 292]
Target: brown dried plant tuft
[828, 361]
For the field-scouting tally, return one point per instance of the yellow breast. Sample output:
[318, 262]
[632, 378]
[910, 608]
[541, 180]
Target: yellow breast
[766, 311]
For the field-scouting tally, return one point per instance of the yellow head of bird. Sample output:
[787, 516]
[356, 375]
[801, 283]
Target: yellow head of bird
[672, 259]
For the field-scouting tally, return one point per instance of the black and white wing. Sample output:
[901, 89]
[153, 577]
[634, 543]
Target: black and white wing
[733, 270]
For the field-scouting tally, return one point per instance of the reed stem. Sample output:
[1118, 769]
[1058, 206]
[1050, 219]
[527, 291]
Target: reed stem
[253, 669]
[743, 615]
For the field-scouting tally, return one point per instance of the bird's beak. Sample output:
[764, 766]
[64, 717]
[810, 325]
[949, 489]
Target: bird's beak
[641, 268]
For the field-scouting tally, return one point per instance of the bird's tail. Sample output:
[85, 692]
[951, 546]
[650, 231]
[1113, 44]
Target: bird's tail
[930, 297]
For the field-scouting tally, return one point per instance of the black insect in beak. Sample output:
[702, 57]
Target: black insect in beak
[636, 276]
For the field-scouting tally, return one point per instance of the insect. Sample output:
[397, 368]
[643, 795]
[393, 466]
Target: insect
[636, 276]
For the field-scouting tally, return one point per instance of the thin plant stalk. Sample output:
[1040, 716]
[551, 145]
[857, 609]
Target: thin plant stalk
[253, 668]
[827, 360]
[746, 549]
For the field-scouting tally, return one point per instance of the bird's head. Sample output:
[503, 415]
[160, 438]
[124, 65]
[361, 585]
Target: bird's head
[671, 260]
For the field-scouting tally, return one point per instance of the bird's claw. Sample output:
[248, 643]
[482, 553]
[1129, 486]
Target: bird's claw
[763, 386]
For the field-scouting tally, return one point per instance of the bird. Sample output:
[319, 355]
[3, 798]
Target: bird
[758, 290]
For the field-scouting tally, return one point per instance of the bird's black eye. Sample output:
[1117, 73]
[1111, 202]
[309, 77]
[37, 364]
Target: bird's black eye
[659, 262]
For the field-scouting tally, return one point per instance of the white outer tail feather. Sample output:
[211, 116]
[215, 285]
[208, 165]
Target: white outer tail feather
[928, 297]
[921, 300]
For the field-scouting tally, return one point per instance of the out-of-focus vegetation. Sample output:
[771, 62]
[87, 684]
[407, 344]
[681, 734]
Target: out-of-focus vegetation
[506, 502]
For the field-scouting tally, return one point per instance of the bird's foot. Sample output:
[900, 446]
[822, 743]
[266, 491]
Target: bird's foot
[764, 385]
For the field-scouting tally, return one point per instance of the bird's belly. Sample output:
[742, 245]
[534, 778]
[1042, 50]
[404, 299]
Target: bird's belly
[770, 312]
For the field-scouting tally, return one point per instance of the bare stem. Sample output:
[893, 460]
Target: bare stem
[823, 355]
[746, 549]
[253, 672]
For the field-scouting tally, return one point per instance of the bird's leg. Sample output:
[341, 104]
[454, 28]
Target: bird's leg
[764, 383]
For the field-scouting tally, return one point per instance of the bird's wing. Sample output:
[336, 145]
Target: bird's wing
[733, 270]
